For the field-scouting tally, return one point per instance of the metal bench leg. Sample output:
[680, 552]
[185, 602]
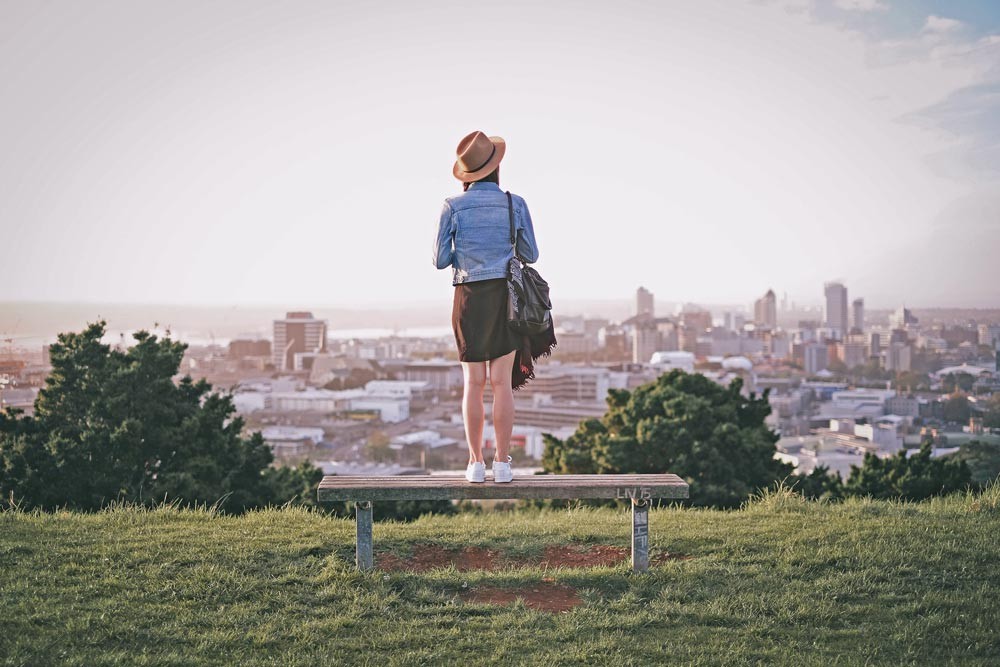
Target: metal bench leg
[365, 560]
[640, 535]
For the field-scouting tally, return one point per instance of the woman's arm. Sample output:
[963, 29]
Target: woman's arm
[444, 252]
[527, 248]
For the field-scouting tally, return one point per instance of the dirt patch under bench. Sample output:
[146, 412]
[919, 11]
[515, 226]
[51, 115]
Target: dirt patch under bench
[430, 556]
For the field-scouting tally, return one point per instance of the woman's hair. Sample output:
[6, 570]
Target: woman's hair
[492, 177]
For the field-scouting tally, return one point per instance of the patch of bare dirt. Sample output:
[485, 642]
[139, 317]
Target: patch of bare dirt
[545, 596]
[430, 556]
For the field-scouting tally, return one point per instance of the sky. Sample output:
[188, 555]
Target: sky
[242, 152]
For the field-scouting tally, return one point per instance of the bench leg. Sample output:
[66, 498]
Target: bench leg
[640, 535]
[365, 560]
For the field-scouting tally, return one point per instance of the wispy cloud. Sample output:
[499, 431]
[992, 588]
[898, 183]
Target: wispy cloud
[862, 5]
[941, 24]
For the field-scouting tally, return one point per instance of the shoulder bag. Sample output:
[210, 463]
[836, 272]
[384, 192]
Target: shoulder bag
[529, 309]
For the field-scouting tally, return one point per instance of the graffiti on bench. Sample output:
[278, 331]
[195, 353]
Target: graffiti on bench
[634, 492]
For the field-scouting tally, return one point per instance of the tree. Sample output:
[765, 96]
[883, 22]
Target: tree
[377, 448]
[957, 382]
[837, 367]
[956, 409]
[680, 423]
[114, 425]
[820, 484]
[983, 459]
[991, 414]
[909, 478]
[911, 381]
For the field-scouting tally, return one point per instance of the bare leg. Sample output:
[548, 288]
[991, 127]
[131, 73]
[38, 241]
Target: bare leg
[501, 370]
[472, 406]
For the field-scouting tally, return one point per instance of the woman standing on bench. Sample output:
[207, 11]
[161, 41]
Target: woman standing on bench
[473, 238]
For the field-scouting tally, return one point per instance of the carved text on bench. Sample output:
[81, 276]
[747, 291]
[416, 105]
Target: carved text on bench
[634, 492]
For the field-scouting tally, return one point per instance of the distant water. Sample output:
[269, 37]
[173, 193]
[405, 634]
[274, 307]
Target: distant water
[31, 325]
[198, 340]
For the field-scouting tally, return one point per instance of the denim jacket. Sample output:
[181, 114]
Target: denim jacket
[474, 234]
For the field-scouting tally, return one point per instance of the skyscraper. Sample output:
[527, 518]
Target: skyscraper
[298, 332]
[765, 311]
[859, 315]
[836, 309]
[644, 302]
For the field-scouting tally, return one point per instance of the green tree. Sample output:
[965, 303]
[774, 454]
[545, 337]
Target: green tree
[957, 382]
[956, 409]
[820, 484]
[113, 424]
[983, 459]
[915, 477]
[991, 411]
[910, 381]
[680, 423]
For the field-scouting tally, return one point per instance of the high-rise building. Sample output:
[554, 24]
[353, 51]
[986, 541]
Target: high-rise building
[644, 302]
[816, 357]
[836, 309]
[298, 332]
[858, 305]
[903, 319]
[765, 311]
[733, 321]
[898, 357]
[989, 334]
[645, 341]
[852, 353]
[875, 345]
[696, 317]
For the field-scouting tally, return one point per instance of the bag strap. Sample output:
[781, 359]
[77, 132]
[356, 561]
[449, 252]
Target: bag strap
[513, 236]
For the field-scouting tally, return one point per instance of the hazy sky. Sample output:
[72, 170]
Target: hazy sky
[297, 153]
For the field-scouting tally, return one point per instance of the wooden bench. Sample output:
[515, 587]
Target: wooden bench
[640, 489]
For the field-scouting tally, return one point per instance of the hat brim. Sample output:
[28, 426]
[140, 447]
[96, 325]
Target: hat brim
[486, 169]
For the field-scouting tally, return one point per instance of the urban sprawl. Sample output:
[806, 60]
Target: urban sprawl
[842, 382]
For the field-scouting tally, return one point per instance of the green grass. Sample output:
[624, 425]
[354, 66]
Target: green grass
[781, 582]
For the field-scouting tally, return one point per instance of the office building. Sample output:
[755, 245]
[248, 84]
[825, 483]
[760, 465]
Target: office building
[858, 306]
[989, 335]
[836, 309]
[816, 357]
[765, 311]
[644, 302]
[898, 357]
[298, 332]
[852, 353]
[645, 341]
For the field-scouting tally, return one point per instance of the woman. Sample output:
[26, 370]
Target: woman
[474, 239]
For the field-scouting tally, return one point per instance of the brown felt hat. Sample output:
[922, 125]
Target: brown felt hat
[478, 155]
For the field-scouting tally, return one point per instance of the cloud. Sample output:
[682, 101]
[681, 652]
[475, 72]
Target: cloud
[940, 24]
[862, 5]
[972, 116]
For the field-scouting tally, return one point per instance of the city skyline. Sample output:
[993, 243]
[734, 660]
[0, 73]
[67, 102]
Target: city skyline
[173, 155]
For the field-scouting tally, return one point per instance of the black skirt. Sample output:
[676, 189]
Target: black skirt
[479, 319]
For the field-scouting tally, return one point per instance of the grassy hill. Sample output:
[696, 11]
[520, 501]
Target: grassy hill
[781, 581]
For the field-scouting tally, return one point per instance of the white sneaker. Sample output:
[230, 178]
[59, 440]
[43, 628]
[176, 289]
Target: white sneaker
[476, 472]
[501, 471]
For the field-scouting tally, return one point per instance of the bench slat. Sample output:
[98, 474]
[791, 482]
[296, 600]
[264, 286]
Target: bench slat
[453, 487]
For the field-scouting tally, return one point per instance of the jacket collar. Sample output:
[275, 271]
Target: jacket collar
[484, 185]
